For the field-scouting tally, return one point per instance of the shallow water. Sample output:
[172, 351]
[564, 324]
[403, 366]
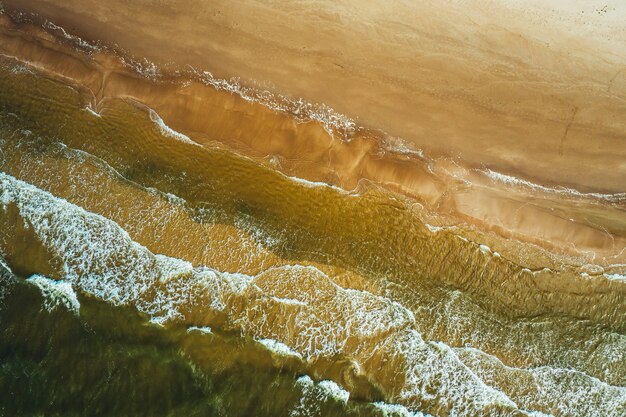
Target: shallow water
[103, 360]
[192, 280]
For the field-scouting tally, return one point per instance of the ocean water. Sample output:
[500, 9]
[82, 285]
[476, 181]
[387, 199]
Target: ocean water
[145, 275]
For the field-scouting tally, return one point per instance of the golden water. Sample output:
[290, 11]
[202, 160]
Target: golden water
[157, 238]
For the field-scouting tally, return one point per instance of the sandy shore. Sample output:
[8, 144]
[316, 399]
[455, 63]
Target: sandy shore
[524, 89]
[399, 208]
[536, 101]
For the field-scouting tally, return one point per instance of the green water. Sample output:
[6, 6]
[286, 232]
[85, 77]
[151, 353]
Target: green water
[356, 288]
[109, 361]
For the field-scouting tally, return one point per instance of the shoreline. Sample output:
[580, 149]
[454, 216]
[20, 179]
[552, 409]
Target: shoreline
[183, 234]
[580, 228]
[529, 95]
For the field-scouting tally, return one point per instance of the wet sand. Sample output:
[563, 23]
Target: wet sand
[243, 236]
[315, 143]
[526, 90]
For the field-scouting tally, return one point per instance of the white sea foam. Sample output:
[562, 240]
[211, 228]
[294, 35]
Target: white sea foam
[56, 293]
[315, 184]
[397, 410]
[202, 329]
[507, 179]
[399, 145]
[6, 279]
[434, 229]
[299, 108]
[434, 364]
[319, 318]
[335, 391]
[144, 67]
[74, 39]
[616, 277]
[488, 251]
[289, 301]
[168, 131]
[172, 267]
[563, 391]
[314, 395]
[279, 348]
[4, 265]
[537, 414]
[20, 68]
[485, 249]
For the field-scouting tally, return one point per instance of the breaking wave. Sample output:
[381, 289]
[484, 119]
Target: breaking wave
[303, 312]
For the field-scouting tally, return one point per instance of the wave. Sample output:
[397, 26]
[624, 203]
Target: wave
[101, 259]
[73, 39]
[168, 131]
[279, 348]
[7, 279]
[397, 410]
[168, 224]
[56, 293]
[315, 394]
[548, 389]
[298, 306]
[510, 180]
[402, 331]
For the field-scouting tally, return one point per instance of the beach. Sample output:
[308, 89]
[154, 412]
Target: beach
[385, 208]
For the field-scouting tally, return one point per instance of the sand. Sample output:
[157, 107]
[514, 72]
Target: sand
[420, 204]
[534, 92]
